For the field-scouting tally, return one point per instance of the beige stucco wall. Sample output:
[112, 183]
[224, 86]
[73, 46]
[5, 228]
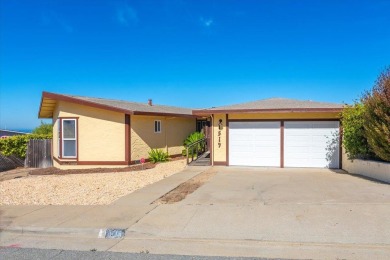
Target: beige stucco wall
[219, 139]
[372, 169]
[173, 132]
[101, 135]
[285, 116]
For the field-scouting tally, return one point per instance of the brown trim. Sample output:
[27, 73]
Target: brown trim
[227, 139]
[125, 163]
[279, 110]
[75, 100]
[55, 159]
[142, 113]
[102, 163]
[60, 151]
[127, 139]
[220, 163]
[148, 160]
[281, 144]
[212, 140]
[340, 146]
[77, 139]
[80, 102]
[74, 162]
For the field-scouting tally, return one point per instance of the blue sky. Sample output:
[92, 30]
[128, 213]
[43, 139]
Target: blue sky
[198, 53]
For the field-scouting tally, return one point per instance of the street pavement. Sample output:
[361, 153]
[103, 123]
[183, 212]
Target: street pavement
[55, 254]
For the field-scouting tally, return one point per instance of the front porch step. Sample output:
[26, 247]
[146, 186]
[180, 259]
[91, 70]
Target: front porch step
[203, 160]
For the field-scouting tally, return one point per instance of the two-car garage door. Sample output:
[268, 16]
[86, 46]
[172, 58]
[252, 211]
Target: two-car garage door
[288, 144]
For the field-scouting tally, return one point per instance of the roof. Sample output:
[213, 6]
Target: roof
[274, 105]
[4, 132]
[49, 101]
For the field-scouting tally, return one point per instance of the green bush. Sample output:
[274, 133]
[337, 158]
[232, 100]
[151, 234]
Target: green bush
[43, 129]
[195, 136]
[158, 155]
[377, 116]
[17, 144]
[354, 139]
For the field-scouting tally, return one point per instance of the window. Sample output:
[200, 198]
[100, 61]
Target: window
[69, 138]
[59, 138]
[157, 126]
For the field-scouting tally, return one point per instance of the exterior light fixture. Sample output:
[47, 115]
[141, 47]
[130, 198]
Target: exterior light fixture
[220, 126]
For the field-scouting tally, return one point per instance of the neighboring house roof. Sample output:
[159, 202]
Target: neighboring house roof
[49, 101]
[4, 132]
[274, 105]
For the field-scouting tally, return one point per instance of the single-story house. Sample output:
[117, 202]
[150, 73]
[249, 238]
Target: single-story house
[273, 132]
[91, 132]
[276, 132]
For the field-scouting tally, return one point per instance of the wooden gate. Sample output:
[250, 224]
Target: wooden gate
[38, 154]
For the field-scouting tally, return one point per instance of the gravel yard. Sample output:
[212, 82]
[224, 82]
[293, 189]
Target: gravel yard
[82, 189]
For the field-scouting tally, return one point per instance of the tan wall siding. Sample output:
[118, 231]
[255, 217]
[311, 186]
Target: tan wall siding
[173, 133]
[219, 136]
[55, 134]
[101, 132]
[285, 116]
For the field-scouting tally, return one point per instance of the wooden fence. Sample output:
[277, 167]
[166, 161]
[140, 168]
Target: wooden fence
[38, 154]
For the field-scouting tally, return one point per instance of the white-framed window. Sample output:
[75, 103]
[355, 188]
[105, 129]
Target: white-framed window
[69, 137]
[59, 137]
[157, 126]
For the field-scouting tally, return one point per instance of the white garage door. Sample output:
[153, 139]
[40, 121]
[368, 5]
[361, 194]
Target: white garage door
[311, 144]
[254, 143]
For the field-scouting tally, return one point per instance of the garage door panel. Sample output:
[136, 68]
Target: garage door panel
[254, 143]
[306, 144]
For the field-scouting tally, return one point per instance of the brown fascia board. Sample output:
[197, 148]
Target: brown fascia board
[142, 113]
[281, 110]
[82, 102]
[96, 105]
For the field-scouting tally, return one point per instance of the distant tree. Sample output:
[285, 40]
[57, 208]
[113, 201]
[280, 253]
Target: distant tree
[43, 129]
[377, 116]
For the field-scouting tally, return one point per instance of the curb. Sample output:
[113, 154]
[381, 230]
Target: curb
[83, 232]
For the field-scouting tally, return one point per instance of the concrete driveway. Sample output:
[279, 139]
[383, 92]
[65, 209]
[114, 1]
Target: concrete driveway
[282, 205]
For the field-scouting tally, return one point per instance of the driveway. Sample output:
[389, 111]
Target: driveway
[282, 205]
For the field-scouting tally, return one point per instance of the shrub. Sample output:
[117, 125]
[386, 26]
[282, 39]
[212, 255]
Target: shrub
[43, 129]
[377, 116]
[158, 155]
[354, 139]
[195, 136]
[17, 144]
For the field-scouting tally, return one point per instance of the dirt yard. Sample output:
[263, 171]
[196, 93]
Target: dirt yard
[186, 188]
[82, 189]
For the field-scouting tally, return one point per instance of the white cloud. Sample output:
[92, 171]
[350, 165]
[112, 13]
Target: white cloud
[206, 22]
[126, 15]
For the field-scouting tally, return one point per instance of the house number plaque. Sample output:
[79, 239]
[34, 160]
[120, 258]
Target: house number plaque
[220, 126]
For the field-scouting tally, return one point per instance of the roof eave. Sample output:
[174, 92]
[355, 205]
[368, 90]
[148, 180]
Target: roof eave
[281, 110]
[143, 113]
[78, 101]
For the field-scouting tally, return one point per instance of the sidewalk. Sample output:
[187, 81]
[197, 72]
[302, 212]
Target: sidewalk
[87, 221]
